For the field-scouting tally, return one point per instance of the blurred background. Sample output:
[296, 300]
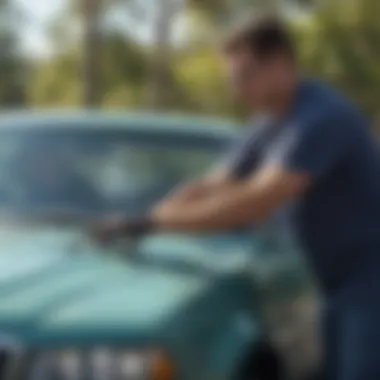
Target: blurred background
[162, 54]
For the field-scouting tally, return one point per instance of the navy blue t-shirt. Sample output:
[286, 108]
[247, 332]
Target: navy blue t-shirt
[337, 220]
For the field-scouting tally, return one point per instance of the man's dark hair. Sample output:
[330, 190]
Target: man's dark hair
[264, 37]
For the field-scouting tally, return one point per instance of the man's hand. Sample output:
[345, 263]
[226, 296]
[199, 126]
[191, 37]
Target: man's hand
[118, 226]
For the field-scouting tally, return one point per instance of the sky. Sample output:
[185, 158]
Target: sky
[40, 12]
[37, 12]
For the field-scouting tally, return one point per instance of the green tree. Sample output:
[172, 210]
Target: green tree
[91, 11]
[12, 67]
[161, 76]
[345, 50]
[99, 34]
[122, 72]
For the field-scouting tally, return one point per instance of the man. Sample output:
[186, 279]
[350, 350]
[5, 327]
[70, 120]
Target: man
[313, 150]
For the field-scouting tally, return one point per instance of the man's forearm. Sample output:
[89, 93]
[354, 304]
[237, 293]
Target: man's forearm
[227, 208]
[230, 205]
[235, 204]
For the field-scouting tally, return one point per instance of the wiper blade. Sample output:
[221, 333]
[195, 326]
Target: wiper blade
[186, 267]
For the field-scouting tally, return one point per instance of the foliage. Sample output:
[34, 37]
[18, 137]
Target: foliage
[340, 44]
[11, 65]
[199, 73]
[57, 82]
[345, 50]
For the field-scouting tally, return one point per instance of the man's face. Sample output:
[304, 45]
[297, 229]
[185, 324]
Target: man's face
[253, 81]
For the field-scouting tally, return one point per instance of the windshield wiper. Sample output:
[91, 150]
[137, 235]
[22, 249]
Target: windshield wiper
[136, 256]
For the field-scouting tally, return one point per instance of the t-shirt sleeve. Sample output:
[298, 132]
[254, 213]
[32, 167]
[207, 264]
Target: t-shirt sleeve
[315, 147]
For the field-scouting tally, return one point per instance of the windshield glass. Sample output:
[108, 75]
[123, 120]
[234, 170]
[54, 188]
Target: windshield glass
[96, 171]
[112, 171]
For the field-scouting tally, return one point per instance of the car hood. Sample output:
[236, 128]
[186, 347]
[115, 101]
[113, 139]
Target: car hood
[51, 290]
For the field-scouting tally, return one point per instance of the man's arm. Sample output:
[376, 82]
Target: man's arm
[220, 205]
[302, 155]
[233, 204]
[195, 191]
[299, 158]
[239, 164]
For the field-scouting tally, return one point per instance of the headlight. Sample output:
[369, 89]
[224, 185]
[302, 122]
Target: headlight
[102, 364]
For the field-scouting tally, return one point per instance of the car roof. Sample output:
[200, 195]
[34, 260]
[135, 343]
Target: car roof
[94, 120]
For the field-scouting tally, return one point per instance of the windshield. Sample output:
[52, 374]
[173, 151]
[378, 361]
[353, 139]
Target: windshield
[97, 171]
[105, 171]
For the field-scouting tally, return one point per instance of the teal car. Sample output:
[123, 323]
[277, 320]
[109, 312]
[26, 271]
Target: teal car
[162, 307]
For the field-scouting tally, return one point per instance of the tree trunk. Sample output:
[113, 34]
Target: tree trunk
[160, 67]
[91, 52]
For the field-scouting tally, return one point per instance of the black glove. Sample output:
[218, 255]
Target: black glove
[118, 227]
